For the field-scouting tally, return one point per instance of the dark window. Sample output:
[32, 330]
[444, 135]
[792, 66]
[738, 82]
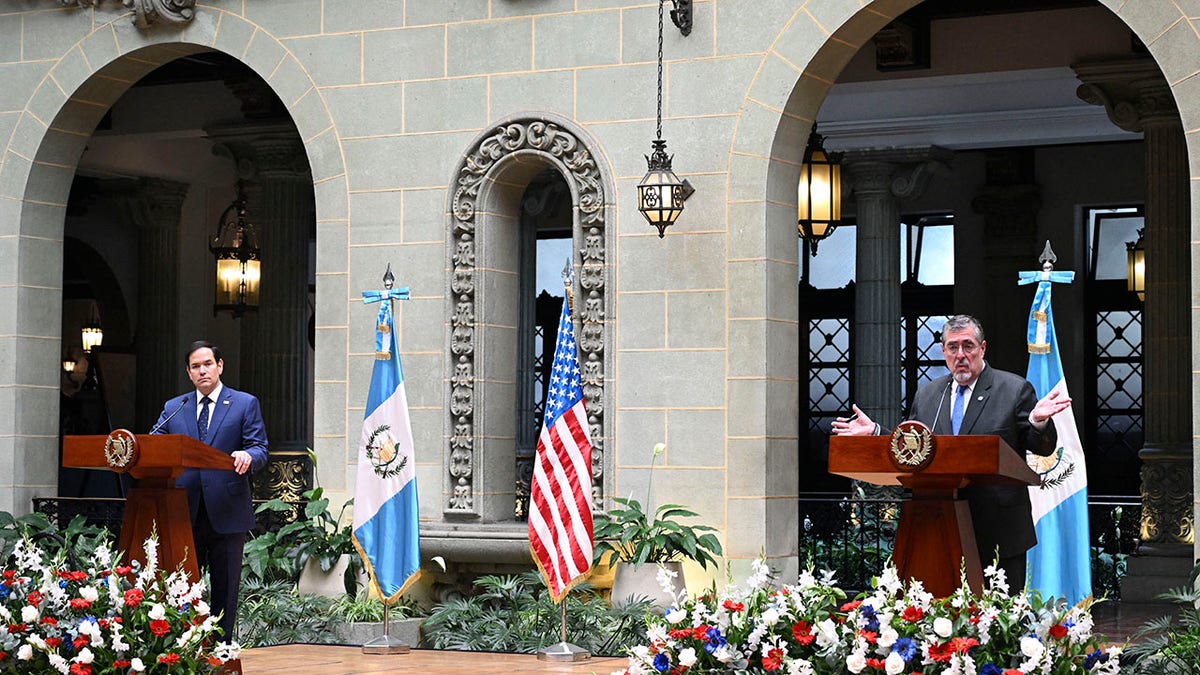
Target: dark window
[1113, 414]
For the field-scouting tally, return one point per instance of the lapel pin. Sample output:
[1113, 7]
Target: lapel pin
[225, 402]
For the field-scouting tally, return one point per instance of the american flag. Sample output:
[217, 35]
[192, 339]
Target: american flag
[560, 512]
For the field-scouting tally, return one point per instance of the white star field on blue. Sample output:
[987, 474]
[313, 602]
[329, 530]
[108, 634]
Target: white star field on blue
[565, 388]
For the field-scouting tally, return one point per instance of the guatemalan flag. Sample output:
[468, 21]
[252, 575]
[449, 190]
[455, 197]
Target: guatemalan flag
[560, 496]
[385, 499]
[1060, 564]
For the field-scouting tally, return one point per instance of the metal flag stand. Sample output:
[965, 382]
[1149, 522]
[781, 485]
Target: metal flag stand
[386, 644]
[563, 650]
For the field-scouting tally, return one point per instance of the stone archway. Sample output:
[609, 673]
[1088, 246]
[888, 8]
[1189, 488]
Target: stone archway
[792, 81]
[484, 195]
[36, 174]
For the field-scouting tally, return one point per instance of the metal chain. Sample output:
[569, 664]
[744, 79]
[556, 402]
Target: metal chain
[658, 129]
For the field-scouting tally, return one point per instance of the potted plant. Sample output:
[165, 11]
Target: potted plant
[631, 538]
[319, 544]
[358, 619]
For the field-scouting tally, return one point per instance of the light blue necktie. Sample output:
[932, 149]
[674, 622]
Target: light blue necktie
[956, 411]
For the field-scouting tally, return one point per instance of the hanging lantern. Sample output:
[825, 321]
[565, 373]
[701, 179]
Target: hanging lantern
[239, 271]
[819, 193]
[661, 194]
[1135, 255]
[92, 334]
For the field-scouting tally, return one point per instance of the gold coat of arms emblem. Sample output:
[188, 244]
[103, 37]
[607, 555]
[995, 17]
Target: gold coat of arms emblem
[120, 450]
[912, 446]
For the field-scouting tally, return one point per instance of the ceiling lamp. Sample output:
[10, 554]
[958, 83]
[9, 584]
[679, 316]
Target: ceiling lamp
[819, 193]
[239, 271]
[660, 193]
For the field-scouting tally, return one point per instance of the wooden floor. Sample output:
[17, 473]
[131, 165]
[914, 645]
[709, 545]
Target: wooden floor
[327, 660]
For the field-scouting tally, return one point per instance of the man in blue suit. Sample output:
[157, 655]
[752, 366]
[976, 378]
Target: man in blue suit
[219, 499]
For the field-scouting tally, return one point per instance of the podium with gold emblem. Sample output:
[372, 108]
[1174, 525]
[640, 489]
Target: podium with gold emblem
[935, 536]
[154, 504]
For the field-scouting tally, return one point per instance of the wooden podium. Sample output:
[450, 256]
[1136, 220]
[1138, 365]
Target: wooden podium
[935, 535]
[154, 503]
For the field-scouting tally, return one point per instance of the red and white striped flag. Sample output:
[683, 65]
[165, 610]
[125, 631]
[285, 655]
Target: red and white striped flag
[560, 496]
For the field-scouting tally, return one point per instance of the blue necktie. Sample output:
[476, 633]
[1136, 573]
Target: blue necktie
[956, 412]
[202, 421]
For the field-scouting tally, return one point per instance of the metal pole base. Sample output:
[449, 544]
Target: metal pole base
[385, 644]
[563, 651]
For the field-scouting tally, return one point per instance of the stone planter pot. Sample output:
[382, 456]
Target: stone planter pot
[331, 584]
[631, 584]
[407, 631]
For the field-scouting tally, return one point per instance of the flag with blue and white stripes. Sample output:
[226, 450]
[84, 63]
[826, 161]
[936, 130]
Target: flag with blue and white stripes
[385, 498]
[1060, 564]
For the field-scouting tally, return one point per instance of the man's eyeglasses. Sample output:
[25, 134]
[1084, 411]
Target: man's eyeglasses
[965, 348]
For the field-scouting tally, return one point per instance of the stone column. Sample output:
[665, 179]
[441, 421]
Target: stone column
[155, 205]
[1009, 203]
[1138, 99]
[881, 179]
[275, 341]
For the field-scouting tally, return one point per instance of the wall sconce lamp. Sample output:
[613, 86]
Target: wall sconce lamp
[1135, 255]
[239, 271]
[819, 193]
[660, 193]
[68, 364]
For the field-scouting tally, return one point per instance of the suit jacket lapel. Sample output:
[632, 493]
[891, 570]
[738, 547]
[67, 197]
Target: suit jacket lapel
[980, 394]
[187, 415]
[220, 408]
[945, 400]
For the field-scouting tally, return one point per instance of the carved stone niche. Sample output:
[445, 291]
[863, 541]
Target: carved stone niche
[146, 12]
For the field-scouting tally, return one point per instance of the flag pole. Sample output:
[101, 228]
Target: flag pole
[386, 644]
[564, 651]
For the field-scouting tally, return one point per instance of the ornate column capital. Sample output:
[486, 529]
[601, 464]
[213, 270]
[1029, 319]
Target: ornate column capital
[150, 203]
[1132, 91]
[277, 157]
[146, 12]
[902, 173]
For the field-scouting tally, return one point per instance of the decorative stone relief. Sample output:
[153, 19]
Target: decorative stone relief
[1167, 501]
[548, 138]
[146, 12]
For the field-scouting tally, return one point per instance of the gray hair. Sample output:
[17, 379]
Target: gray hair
[961, 321]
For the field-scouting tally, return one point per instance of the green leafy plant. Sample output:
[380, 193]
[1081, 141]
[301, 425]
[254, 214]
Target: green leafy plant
[362, 608]
[1108, 567]
[80, 538]
[1169, 645]
[517, 614]
[630, 535]
[315, 534]
[274, 613]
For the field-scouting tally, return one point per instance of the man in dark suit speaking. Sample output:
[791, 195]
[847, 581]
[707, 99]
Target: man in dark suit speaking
[978, 399]
[219, 499]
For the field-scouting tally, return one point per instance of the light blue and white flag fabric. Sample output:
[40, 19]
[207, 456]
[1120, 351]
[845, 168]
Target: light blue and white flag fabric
[385, 498]
[1060, 565]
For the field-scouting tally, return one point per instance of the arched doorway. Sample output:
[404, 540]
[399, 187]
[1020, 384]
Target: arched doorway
[792, 84]
[95, 78]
